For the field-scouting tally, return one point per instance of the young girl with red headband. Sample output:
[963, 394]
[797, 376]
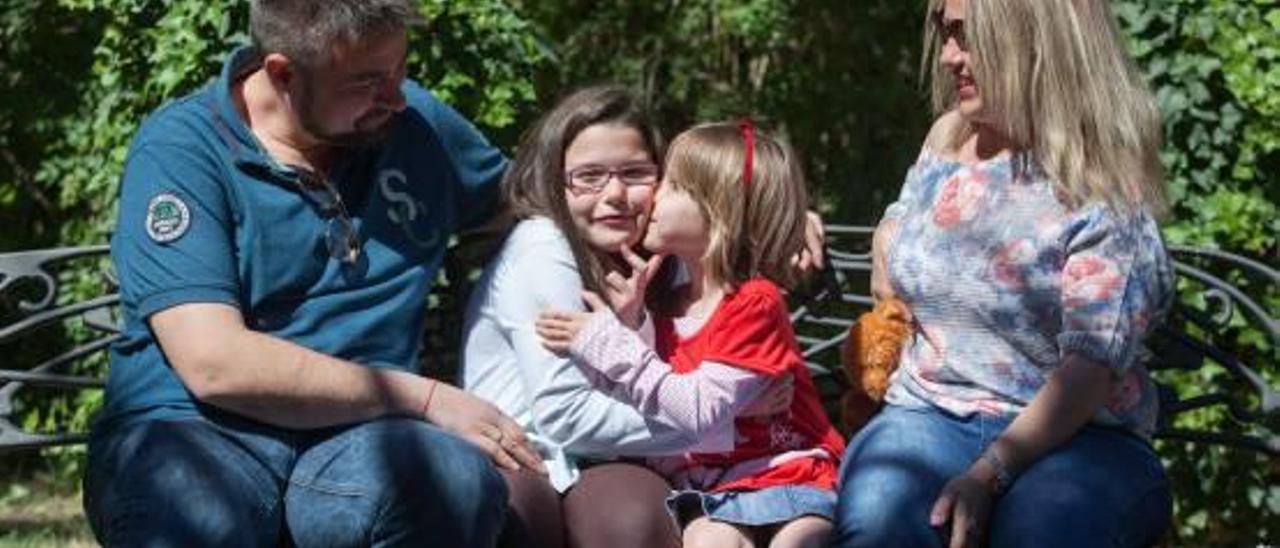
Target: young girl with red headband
[730, 213]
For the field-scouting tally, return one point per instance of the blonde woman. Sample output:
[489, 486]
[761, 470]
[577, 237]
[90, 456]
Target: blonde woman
[1025, 245]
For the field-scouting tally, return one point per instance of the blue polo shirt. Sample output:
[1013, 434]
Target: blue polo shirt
[206, 216]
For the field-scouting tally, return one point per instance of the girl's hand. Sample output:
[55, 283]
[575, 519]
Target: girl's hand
[774, 400]
[626, 294]
[558, 329]
[966, 503]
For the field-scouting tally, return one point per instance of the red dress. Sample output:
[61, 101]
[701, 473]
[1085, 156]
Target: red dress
[750, 329]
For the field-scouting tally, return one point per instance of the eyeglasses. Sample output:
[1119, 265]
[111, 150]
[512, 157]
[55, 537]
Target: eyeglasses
[341, 237]
[592, 178]
[949, 30]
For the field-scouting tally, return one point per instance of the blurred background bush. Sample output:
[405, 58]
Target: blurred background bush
[841, 79]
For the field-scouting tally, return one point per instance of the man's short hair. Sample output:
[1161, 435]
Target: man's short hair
[305, 31]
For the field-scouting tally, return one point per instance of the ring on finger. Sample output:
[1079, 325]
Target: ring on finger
[495, 435]
[511, 443]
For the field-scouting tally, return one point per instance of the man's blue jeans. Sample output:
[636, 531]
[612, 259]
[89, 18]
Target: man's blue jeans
[1105, 487]
[231, 482]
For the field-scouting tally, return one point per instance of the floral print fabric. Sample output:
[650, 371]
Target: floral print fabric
[1005, 280]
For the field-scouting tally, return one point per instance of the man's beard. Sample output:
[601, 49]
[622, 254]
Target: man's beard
[356, 138]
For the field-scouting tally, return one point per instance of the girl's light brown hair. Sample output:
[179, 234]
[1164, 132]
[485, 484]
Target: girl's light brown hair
[755, 228]
[1055, 78]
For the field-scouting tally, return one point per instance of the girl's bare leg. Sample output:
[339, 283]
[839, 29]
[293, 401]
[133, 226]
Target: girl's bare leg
[803, 532]
[704, 533]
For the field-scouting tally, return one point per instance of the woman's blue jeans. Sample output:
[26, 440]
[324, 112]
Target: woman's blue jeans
[1105, 487]
[229, 482]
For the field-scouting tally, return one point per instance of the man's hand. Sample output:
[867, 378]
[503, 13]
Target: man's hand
[775, 399]
[482, 424]
[813, 256]
[625, 294]
[965, 502]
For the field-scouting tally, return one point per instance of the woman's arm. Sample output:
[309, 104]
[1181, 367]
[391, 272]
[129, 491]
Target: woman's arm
[880, 287]
[887, 229]
[1071, 396]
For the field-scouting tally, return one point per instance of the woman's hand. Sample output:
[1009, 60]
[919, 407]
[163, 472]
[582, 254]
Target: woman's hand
[965, 503]
[1072, 395]
[625, 294]
[558, 329]
[775, 399]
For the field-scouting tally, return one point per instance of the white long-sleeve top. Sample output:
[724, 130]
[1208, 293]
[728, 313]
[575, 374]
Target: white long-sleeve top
[566, 414]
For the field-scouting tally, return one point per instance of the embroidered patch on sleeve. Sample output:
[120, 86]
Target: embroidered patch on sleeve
[168, 217]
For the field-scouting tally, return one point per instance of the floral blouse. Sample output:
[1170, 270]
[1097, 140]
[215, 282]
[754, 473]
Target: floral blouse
[1005, 281]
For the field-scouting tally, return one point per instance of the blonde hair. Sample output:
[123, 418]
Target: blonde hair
[1054, 78]
[755, 229]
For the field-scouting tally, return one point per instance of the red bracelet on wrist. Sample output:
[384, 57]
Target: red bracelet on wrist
[431, 393]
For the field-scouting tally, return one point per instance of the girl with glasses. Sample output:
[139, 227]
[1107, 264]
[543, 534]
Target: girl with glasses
[731, 212]
[583, 183]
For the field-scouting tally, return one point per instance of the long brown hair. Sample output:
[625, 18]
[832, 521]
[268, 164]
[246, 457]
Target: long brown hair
[535, 183]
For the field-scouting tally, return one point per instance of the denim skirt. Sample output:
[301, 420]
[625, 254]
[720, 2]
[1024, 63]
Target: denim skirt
[773, 505]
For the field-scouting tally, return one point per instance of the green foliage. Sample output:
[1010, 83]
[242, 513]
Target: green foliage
[480, 57]
[840, 81]
[1213, 67]
[40, 70]
[78, 76]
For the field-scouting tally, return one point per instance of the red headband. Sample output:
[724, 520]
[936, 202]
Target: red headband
[749, 145]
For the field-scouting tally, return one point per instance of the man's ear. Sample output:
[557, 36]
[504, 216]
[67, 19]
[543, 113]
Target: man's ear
[280, 70]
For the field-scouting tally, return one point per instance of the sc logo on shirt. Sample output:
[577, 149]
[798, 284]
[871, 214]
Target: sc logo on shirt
[405, 211]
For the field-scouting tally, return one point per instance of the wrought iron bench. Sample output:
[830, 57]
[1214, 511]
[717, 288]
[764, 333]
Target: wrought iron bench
[58, 315]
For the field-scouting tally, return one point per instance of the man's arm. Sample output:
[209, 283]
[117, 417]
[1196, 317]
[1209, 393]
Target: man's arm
[227, 365]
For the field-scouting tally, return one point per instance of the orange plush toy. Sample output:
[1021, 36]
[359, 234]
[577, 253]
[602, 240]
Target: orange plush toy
[869, 356]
